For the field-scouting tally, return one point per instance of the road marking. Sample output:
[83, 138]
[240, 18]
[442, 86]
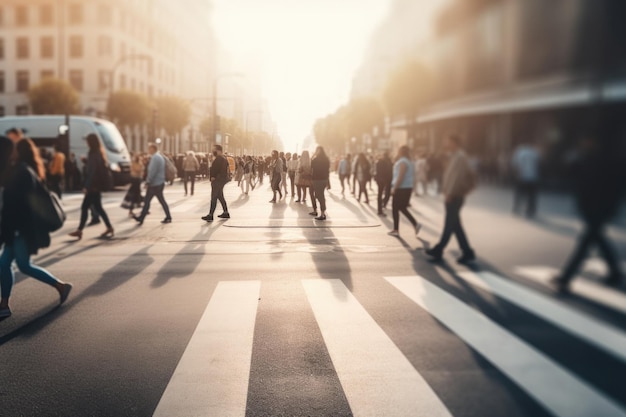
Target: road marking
[558, 390]
[579, 286]
[377, 378]
[212, 376]
[593, 331]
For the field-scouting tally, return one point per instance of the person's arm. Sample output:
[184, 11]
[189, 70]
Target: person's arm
[153, 168]
[400, 179]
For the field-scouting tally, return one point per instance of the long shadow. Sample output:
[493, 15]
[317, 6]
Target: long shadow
[352, 207]
[275, 233]
[111, 279]
[186, 261]
[240, 201]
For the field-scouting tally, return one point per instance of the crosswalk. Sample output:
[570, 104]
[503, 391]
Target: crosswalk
[376, 377]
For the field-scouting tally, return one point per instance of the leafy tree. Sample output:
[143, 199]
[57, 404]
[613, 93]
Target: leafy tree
[174, 113]
[129, 109]
[363, 114]
[53, 96]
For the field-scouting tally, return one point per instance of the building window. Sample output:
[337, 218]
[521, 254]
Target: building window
[46, 74]
[21, 110]
[46, 15]
[103, 80]
[105, 15]
[76, 79]
[47, 47]
[1, 81]
[23, 83]
[76, 46]
[22, 48]
[105, 46]
[21, 15]
[75, 14]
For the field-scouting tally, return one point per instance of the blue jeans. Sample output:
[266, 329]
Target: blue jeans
[19, 251]
[155, 191]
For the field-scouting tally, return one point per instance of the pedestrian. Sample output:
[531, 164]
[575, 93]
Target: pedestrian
[525, 164]
[598, 177]
[133, 197]
[320, 173]
[6, 155]
[458, 181]
[276, 175]
[305, 179]
[155, 183]
[421, 174]
[401, 189]
[292, 166]
[344, 171]
[261, 169]
[96, 181]
[363, 174]
[248, 174]
[19, 232]
[70, 172]
[190, 169]
[239, 171]
[56, 169]
[384, 177]
[219, 177]
[283, 174]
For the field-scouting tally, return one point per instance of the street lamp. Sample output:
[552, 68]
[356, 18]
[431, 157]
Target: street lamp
[215, 83]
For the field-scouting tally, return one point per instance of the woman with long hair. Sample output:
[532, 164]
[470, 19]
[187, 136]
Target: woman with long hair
[95, 183]
[133, 197]
[304, 180]
[401, 188]
[19, 232]
[320, 172]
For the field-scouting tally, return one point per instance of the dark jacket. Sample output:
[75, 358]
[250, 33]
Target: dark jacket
[384, 170]
[219, 169]
[17, 214]
[320, 167]
[94, 170]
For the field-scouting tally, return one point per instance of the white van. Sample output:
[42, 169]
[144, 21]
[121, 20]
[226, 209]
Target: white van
[46, 131]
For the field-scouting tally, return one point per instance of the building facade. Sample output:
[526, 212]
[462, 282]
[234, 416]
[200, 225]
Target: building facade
[154, 47]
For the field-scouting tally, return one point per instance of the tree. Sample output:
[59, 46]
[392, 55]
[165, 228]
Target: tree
[174, 113]
[363, 114]
[129, 109]
[53, 96]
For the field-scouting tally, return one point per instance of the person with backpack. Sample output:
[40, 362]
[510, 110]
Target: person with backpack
[21, 230]
[458, 181]
[97, 179]
[155, 182]
[190, 168]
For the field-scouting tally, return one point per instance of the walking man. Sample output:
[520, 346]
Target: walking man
[190, 167]
[459, 179]
[155, 183]
[526, 168]
[219, 178]
[384, 175]
[345, 170]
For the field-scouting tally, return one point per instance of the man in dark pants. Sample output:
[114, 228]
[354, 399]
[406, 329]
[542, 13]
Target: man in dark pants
[219, 178]
[156, 183]
[598, 181]
[384, 175]
[459, 180]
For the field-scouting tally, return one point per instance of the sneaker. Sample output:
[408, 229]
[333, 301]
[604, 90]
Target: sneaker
[313, 213]
[224, 216]
[166, 220]
[93, 223]
[65, 292]
[321, 218]
[5, 313]
[138, 219]
[467, 258]
[394, 233]
[559, 284]
[207, 218]
[435, 254]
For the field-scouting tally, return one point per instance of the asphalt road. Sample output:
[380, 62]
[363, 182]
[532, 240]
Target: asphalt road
[274, 314]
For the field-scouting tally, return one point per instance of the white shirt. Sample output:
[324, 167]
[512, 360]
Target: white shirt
[526, 163]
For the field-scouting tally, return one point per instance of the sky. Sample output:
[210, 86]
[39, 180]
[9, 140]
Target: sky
[307, 52]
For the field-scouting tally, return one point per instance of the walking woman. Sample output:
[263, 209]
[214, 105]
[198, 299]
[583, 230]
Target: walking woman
[19, 232]
[304, 178]
[95, 182]
[276, 170]
[133, 197]
[363, 176]
[401, 188]
[320, 172]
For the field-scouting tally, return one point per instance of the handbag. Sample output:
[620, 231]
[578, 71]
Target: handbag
[46, 207]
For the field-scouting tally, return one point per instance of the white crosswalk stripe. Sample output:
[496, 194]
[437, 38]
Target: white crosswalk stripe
[557, 389]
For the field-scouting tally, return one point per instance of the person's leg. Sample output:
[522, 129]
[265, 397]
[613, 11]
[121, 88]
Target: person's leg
[292, 178]
[221, 198]
[320, 188]
[517, 196]
[185, 177]
[578, 256]
[449, 225]
[192, 178]
[342, 180]
[461, 237]
[84, 210]
[22, 258]
[97, 205]
[608, 253]
[404, 195]
[532, 199]
[161, 199]
[313, 200]
[395, 210]
[146, 203]
[214, 195]
[299, 191]
[7, 277]
[387, 193]
[380, 197]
